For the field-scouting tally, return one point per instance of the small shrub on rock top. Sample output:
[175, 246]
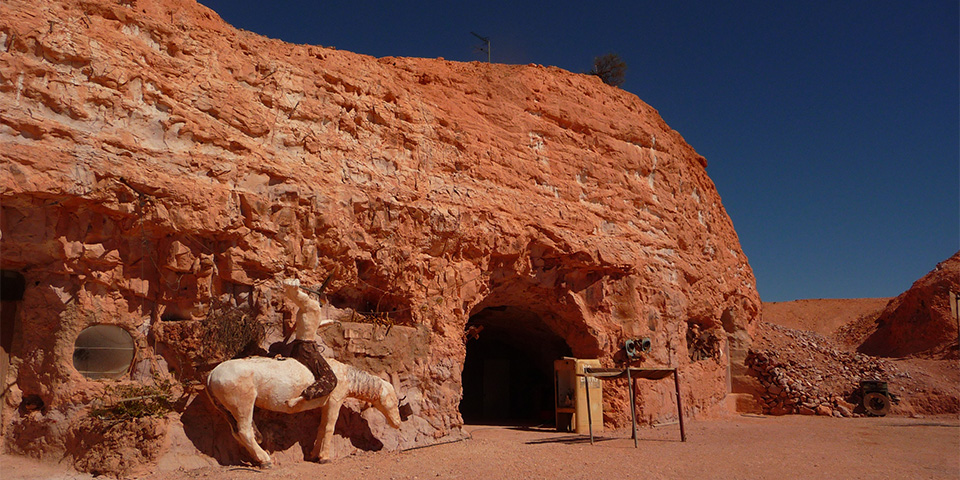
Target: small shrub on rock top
[610, 68]
[124, 430]
[230, 329]
[115, 448]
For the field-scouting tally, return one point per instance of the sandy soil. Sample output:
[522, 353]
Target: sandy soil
[823, 316]
[737, 447]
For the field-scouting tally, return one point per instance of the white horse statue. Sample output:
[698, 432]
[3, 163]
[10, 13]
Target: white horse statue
[237, 386]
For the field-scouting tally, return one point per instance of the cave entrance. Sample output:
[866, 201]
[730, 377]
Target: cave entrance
[12, 286]
[508, 371]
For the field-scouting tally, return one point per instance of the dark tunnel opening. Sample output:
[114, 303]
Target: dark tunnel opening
[12, 287]
[508, 371]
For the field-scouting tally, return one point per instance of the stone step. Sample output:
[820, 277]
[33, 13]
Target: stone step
[742, 403]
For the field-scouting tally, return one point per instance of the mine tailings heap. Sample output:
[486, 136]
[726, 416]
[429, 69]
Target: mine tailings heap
[162, 170]
[923, 320]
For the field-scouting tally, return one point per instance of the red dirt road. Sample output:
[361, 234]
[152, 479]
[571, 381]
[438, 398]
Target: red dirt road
[745, 447]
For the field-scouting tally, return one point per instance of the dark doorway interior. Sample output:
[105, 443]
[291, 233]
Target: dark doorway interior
[508, 371]
[12, 285]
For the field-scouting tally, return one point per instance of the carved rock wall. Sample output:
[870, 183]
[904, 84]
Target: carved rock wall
[156, 160]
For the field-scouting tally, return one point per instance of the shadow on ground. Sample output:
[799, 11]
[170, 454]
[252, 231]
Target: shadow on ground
[209, 431]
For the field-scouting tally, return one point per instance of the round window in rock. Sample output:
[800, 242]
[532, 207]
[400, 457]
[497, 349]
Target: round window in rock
[103, 351]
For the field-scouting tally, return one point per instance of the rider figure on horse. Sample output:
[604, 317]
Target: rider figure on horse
[304, 347]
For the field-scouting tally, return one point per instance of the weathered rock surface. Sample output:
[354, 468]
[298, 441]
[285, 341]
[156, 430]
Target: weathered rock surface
[157, 161]
[921, 321]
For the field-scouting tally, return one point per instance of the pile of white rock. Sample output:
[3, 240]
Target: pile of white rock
[803, 373]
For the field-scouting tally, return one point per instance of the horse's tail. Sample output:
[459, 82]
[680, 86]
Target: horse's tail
[234, 429]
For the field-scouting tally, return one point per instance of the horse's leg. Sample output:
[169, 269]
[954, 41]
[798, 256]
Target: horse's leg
[227, 413]
[246, 432]
[328, 422]
[256, 433]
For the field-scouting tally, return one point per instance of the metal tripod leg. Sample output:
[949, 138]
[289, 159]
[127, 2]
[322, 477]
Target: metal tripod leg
[633, 407]
[676, 384]
[586, 380]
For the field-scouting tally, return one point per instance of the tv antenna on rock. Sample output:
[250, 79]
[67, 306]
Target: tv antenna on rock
[483, 48]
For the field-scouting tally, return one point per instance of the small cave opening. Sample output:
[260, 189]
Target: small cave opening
[172, 313]
[371, 305]
[12, 287]
[508, 371]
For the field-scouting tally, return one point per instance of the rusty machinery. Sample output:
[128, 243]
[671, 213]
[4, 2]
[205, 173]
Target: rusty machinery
[876, 397]
[635, 347]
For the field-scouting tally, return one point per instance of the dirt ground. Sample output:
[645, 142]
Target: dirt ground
[751, 447]
[919, 440]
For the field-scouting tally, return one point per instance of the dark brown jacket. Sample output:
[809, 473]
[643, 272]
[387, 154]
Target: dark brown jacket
[307, 352]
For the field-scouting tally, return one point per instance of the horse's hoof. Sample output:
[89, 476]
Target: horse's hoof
[266, 466]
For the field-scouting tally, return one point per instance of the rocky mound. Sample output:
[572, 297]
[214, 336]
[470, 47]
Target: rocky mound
[814, 354]
[923, 320]
[803, 372]
[159, 166]
[807, 373]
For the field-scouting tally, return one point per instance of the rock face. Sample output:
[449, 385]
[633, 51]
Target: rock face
[921, 320]
[475, 221]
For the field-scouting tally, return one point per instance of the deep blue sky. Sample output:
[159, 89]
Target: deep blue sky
[832, 129]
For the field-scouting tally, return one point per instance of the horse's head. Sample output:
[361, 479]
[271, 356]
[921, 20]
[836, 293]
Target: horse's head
[390, 405]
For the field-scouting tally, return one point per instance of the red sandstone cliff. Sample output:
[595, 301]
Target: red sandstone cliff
[921, 321]
[156, 160]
